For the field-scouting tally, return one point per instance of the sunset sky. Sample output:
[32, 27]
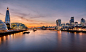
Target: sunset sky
[43, 12]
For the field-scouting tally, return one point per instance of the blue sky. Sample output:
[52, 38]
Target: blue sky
[43, 11]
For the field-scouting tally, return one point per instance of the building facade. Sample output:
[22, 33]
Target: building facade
[7, 18]
[18, 26]
[58, 22]
[72, 21]
[76, 24]
[82, 22]
[3, 26]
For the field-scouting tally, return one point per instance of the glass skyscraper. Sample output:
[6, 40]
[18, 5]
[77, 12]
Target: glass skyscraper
[7, 18]
[58, 22]
[82, 21]
[72, 21]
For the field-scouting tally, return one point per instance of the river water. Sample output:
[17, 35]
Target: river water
[43, 40]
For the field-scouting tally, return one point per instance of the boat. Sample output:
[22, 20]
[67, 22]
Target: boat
[26, 32]
[34, 29]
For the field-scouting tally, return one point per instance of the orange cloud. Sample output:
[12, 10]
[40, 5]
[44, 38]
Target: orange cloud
[30, 22]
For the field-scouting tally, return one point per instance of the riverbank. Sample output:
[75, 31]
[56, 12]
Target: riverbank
[11, 32]
[74, 31]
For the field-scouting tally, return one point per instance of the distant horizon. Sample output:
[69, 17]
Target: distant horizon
[36, 13]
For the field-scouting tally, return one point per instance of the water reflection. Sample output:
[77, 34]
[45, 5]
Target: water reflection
[43, 40]
[59, 36]
[9, 37]
[80, 33]
[75, 33]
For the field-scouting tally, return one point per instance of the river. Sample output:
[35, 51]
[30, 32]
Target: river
[43, 40]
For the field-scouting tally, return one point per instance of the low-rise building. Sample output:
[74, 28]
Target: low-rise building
[3, 26]
[18, 26]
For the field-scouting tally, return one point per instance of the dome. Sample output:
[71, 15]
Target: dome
[3, 26]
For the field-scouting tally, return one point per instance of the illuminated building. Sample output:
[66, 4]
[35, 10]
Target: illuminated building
[63, 24]
[82, 22]
[76, 24]
[58, 22]
[3, 26]
[85, 24]
[67, 24]
[18, 26]
[72, 21]
[7, 18]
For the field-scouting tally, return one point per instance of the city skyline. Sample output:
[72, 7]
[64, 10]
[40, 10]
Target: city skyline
[42, 12]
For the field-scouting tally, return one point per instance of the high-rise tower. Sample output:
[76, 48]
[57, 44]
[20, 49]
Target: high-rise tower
[72, 21]
[7, 18]
[82, 22]
[58, 22]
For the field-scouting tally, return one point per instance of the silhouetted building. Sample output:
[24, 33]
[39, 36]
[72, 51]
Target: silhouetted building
[82, 22]
[7, 18]
[58, 22]
[44, 28]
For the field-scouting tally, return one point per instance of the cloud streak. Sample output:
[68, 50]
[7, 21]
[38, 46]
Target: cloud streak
[43, 12]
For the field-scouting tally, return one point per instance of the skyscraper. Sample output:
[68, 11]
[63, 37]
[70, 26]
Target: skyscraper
[58, 22]
[72, 21]
[7, 18]
[82, 21]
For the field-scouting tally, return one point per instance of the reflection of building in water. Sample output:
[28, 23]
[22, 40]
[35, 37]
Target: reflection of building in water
[59, 32]
[7, 18]
[59, 37]
[80, 33]
[3, 26]
[3, 39]
[18, 26]
[75, 33]
[0, 40]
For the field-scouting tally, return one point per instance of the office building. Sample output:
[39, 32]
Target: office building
[76, 24]
[72, 21]
[7, 18]
[58, 22]
[67, 24]
[82, 22]
[18, 26]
